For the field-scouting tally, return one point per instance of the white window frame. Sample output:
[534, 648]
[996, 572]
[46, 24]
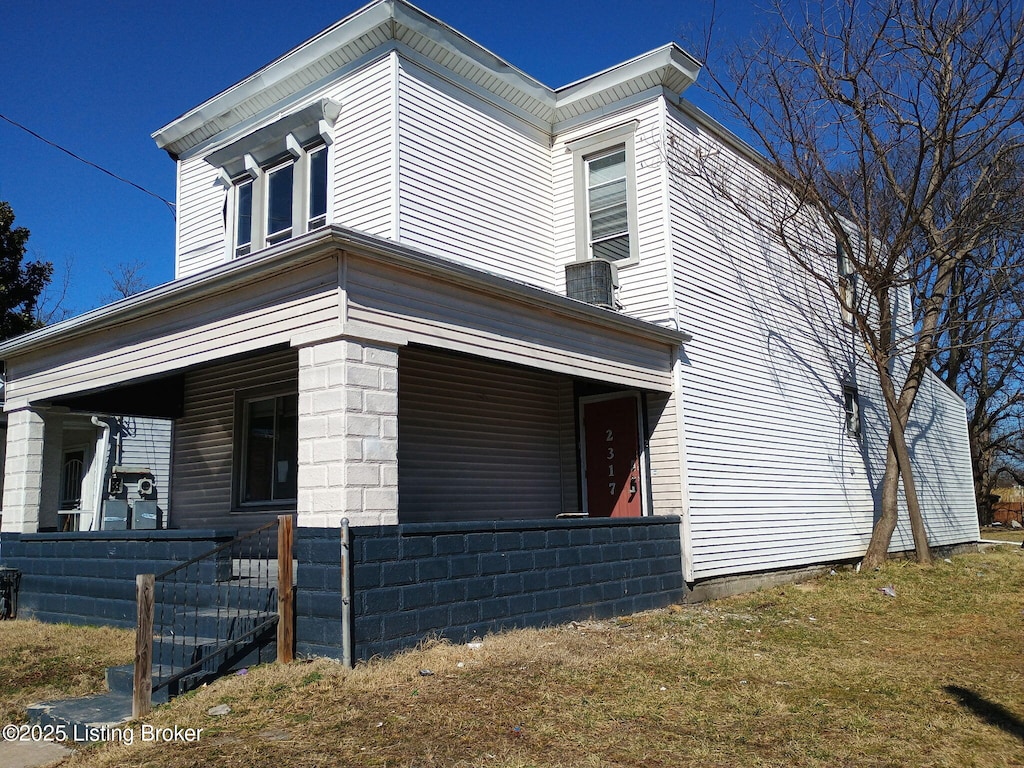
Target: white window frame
[594, 147]
[851, 411]
[259, 176]
[315, 222]
[238, 248]
[847, 286]
[285, 233]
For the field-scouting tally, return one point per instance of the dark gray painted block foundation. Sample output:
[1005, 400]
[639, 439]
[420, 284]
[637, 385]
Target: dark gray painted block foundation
[463, 580]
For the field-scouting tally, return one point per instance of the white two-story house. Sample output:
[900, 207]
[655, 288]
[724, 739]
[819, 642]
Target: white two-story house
[412, 283]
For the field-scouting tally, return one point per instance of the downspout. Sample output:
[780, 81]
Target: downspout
[104, 450]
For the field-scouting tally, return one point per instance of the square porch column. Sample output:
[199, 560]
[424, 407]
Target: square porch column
[23, 484]
[348, 434]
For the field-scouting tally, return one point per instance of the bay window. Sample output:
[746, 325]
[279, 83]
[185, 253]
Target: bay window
[280, 201]
[276, 178]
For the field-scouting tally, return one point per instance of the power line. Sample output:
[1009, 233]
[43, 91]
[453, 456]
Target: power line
[79, 158]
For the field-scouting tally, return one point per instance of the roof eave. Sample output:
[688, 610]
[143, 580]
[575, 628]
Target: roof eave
[312, 246]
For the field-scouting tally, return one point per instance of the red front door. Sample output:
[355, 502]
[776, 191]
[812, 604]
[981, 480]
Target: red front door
[612, 457]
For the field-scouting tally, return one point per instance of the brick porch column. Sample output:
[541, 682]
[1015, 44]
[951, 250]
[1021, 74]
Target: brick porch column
[348, 434]
[23, 483]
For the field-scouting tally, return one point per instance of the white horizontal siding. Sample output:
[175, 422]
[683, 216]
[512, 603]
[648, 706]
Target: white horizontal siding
[261, 314]
[663, 455]
[435, 313]
[361, 187]
[363, 150]
[938, 439]
[200, 213]
[644, 287]
[201, 484]
[773, 479]
[474, 182]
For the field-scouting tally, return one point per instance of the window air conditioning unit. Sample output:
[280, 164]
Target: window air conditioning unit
[593, 281]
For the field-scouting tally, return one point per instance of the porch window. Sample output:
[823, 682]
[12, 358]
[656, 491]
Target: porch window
[269, 450]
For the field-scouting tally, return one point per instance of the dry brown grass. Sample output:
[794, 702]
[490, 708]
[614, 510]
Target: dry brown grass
[832, 673]
[39, 662]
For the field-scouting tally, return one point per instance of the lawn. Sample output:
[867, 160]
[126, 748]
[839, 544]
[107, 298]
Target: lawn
[834, 672]
[39, 662]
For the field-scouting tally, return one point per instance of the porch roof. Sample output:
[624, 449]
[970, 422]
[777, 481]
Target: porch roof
[72, 356]
[308, 248]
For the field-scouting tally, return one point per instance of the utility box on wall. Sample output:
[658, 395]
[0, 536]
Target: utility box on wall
[145, 515]
[115, 515]
[131, 500]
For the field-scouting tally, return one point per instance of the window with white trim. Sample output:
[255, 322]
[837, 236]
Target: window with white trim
[243, 217]
[851, 409]
[277, 178]
[607, 206]
[847, 285]
[282, 200]
[604, 178]
[316, 211]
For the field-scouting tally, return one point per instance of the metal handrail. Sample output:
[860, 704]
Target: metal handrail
[216, 550]
[179, 605]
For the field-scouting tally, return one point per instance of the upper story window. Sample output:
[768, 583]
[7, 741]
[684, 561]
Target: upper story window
[607, 206]
[276, 203]
[277, 178]
[316, 215]
[847, 285]
[280, 194]
[604, 178]
[851, 410]
[243, 218]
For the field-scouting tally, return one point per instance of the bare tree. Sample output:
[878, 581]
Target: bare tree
[127, 279]
[52, 306]
[981, 356]
[894, 129]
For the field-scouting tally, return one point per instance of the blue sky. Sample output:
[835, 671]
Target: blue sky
[100, 77]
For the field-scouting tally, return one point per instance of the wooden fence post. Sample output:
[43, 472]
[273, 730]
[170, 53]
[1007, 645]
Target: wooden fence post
[142, 685]
[285, 598]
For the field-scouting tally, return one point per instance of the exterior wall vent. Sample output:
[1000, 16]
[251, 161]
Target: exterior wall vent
[593, 281]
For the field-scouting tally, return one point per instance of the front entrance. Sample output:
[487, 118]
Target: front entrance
[611, 455]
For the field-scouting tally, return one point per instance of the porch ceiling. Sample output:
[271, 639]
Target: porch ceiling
[161, 398]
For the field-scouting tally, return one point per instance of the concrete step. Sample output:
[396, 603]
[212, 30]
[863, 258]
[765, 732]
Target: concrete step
[209, 621]
[92, 718]
[121, 680]
[178, 653]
